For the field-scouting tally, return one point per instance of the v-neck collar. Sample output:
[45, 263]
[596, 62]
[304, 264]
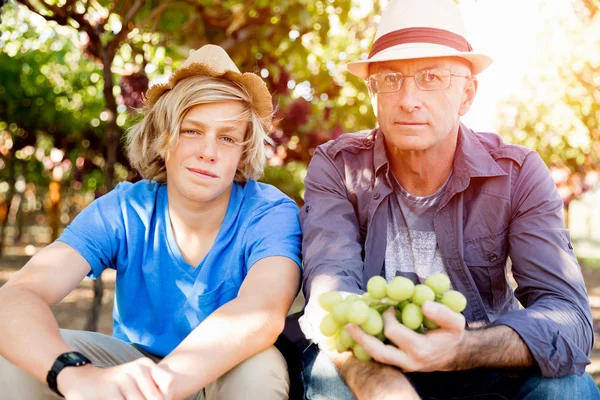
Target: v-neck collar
[235, 199]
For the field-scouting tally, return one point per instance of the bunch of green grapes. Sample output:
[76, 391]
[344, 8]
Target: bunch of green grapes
[365, 311]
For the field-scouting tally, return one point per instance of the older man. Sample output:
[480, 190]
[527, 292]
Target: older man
[421, 194]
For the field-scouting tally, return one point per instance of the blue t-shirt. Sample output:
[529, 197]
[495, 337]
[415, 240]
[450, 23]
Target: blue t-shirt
[159, 297]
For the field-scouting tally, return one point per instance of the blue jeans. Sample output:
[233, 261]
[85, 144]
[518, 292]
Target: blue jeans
[322, 381]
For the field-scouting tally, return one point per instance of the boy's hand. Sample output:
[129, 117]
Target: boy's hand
[141, 379]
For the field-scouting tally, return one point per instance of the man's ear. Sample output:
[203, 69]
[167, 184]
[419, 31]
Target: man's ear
[469, 93]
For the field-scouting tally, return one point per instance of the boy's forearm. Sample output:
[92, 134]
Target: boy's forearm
[232, 334]
[30, 334]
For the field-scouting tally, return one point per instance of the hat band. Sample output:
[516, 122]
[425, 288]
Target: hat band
[420, 35]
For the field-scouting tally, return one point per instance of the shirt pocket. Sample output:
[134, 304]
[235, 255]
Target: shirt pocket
[486, 260]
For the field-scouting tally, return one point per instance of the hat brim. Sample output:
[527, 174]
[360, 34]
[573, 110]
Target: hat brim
[411, 51]
[260, 97]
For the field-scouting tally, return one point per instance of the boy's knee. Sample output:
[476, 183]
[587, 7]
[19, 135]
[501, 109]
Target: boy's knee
[18, 384]
[264, 376]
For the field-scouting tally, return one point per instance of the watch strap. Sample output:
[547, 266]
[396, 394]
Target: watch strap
[69, 359]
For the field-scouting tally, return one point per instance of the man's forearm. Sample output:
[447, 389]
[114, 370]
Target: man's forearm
[232, 334]
[372, 380]
[496, 347]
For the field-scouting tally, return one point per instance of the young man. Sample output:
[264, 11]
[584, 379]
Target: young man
[422, 194]
[207, 259]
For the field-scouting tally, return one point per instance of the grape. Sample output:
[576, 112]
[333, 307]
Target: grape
[358, 312]
[339, 313]
[439, 283]
[422, 294]
[377, 287]
[329, 299]
[366, 297]
[403, 304]
[412, 316]
[351, 298]
[328, 326]
[339, 345]
[420, 329]
[400, 289]
[380, 308]
[360, 352]
[380, 336]
[456, 301]
[374, 323]
[429, 324]
[345, 339]
[399, 314]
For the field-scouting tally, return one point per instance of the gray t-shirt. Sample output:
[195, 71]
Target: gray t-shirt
[412, 248]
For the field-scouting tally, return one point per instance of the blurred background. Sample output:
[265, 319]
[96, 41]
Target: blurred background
[72, 74]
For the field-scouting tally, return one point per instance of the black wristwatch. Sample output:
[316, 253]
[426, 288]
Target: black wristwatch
[70, 359]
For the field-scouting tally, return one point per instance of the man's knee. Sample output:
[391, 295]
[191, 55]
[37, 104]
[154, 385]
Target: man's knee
[320, 377]
[568, 387]
[263, 376]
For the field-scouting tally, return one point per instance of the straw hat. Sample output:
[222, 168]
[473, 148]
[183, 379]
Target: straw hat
[418, 29]
[211, 60]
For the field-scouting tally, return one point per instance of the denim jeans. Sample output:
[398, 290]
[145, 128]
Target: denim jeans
[322, 382]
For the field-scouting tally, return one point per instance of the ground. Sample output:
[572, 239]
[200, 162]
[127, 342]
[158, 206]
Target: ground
[72, 312]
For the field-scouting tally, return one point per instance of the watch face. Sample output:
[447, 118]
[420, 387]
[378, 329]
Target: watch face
[72, 357]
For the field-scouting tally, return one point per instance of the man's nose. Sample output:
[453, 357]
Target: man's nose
[408, 95]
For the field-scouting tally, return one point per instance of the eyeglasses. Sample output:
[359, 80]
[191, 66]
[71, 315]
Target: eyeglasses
[426, 79]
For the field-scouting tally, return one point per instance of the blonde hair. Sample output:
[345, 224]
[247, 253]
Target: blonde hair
[148, 141]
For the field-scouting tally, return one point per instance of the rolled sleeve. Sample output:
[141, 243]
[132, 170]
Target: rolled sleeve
[97, 233]
[331, 244]
[556, 323]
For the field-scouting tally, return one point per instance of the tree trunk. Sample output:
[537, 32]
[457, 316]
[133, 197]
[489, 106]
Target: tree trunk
[112, 147]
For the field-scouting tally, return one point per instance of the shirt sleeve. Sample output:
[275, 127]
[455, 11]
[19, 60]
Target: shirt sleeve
[331, 243]
[97, 232]
[556, 322]
[274, 231]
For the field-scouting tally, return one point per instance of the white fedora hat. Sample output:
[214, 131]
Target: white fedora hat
[420, 29]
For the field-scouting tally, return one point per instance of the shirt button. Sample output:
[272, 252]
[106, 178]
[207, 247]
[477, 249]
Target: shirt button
[307, 209]
[376, 196]
[570, 246]
[492, 257]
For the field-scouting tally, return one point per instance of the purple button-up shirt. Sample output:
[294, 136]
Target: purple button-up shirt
[500, 202]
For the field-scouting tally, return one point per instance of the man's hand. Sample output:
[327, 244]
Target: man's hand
[141, 379]
[435, 350]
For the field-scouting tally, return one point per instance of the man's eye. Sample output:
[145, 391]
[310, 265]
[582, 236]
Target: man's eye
[392, 78]
[228, 139]
[189, 132]
[431, 76]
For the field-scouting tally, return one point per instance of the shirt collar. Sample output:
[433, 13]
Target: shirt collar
[380, 158]
[471, 159]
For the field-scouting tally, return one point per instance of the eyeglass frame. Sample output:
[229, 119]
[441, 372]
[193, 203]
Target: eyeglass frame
[451, 74]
